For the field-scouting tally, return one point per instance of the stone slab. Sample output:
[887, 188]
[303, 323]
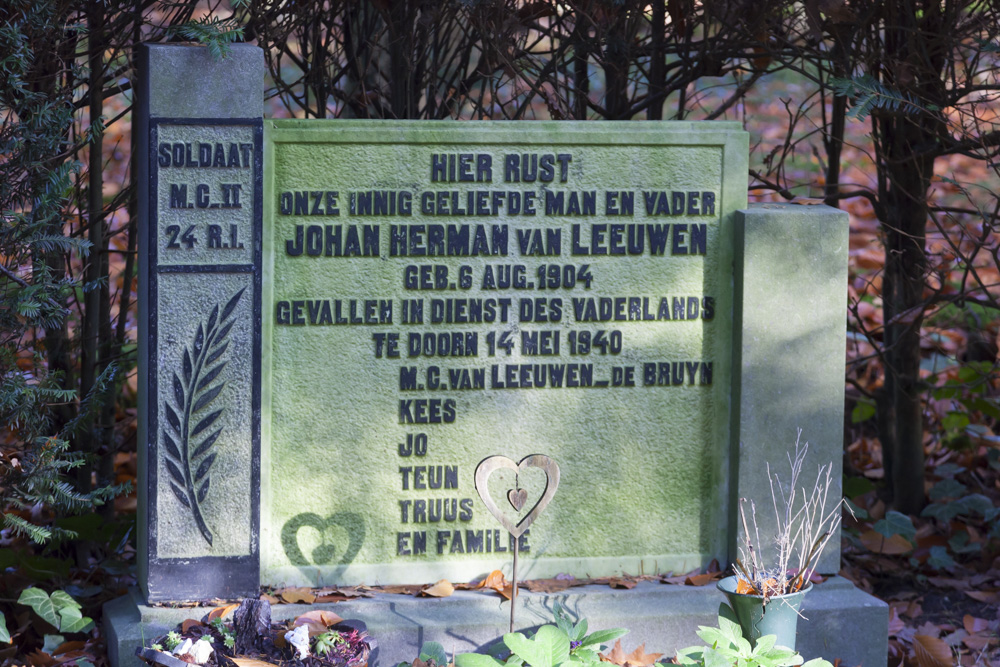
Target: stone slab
[840, 620]
[789, 351]
[643, 471]
[187, 82]
[201, 170]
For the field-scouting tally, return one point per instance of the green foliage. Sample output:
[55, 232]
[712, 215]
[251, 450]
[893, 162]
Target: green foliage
[896, 523]
[948, 488]
[974, 504]
[215, 33]
[563, 643]
[869, 94]
[327, 641]
[726, 647]
[36, 287]
[433, 651]
[227, 634]
[863, 410]
[939, 558]
[173, 640]
[41, 478]
[59, 609]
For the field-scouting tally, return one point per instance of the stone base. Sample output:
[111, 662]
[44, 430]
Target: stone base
[840, 621]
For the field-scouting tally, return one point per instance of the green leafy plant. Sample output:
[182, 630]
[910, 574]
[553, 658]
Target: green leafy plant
[173, 640]
[59, 609]
[431, 653]
[869, 94]
[326, 642]
[227, 634]
[563, 643]
[214, 32]
[725, 647]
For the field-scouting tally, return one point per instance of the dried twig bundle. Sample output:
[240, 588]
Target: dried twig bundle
[804, 527]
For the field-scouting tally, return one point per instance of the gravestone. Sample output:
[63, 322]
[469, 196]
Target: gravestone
[441, 292]
[340, 319]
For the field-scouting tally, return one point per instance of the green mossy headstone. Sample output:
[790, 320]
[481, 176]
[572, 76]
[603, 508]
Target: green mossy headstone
[439, 292]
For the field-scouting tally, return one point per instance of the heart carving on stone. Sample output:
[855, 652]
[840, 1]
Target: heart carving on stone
[516, 496]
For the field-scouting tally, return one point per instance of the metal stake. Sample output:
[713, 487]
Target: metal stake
[513, 590]
[516, 497]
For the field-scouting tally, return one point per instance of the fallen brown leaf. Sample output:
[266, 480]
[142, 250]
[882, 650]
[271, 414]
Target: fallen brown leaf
[637, 658]
[947, 582]
[344, 592]
[441, 589]
[893, 545]
[249, 662]
[622, 582]
[401, 589]
[496, 581]
[318, 621]
[73, 657]
[975, 625]
[955, 638]
[296, 595]
[702, 579]
[932, 652]
[66, 647]
[270, 598]
[896, 624]
[39, 659]
[333, 597]
[913, 609]
[978, 643]
[222, 612]
[930, 629]
[549, 585]
[989, 597]
[189, 623]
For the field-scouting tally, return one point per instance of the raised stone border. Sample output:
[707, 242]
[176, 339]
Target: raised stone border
[840, 620]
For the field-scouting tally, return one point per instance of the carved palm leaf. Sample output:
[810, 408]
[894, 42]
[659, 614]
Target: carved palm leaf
[191, 433]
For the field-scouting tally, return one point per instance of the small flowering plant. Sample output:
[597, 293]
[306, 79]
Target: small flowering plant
[805, 522]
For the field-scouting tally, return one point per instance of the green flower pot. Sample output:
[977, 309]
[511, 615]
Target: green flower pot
[780, 616]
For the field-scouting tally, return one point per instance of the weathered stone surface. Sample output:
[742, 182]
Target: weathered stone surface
[643, 485]
[789, 346]
[187, 82]
[199, 309]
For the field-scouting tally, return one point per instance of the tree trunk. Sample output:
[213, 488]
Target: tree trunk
[89, 361]
[903, 143]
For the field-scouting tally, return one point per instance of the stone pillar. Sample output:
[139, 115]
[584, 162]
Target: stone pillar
[789, 333]
[200, 176]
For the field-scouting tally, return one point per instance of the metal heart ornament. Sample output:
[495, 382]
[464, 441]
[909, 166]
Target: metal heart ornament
[517, 496]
